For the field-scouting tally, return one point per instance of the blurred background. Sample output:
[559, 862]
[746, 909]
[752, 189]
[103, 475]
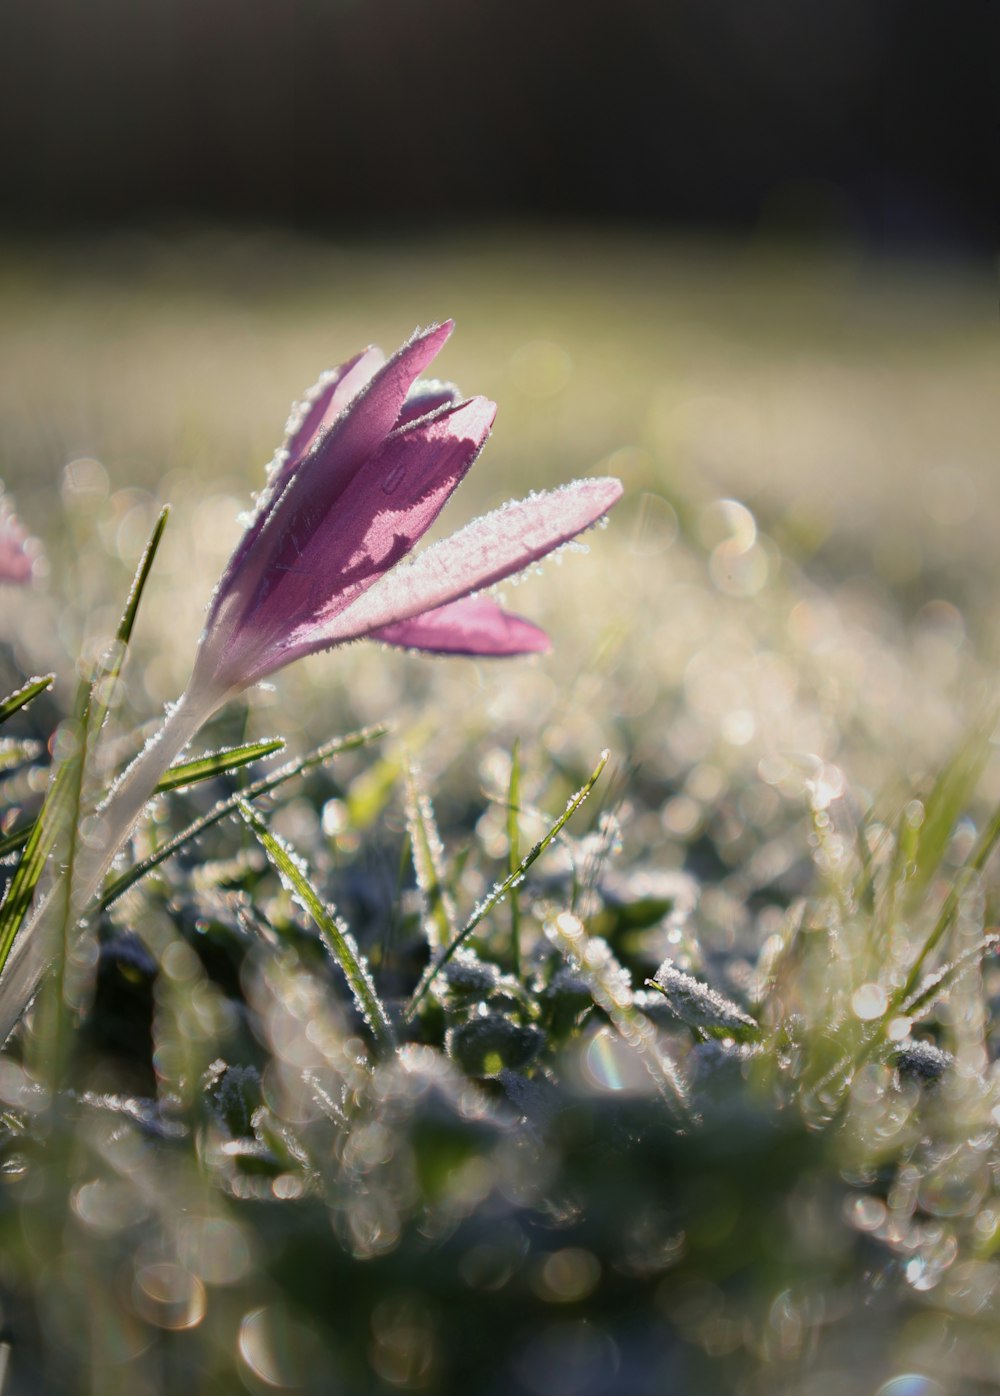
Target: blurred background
[869, 125]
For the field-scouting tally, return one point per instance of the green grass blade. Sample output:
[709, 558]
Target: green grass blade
[24, 695]
[127, 622]
[935, 985]
[109, 669]
[338, 940]
[988, 841]
[440, 921]
[610, 988]
[11, 842]
[501, 890]
[335, 747]
[52, 819]
[514, 854]
[217, 764]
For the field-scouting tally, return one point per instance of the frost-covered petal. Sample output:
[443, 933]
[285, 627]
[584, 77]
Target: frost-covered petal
[312, 492]
[484, 552]
[384, 510]
[326, 399]
[319, 408]
[428, 395]
[474, 625]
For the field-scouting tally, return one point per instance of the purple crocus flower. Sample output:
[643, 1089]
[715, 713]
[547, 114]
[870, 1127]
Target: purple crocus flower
[370, 459]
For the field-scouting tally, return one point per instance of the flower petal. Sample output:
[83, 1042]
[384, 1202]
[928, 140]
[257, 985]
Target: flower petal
[320, 407]
[310, 490]
[474, 625]
[484, 552]
[427, 395]
[379, 516]
[16, 564]
[325, 400]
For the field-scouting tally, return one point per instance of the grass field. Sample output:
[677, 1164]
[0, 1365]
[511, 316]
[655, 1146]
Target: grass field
[773, 1173]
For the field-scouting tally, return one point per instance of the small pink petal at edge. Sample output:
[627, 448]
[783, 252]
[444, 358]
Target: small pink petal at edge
[473, 626]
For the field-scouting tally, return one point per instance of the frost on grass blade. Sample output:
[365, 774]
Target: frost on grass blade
[318, 757]
[513, 879]
[218, 763]
[339, 942]
[24, 695]
[701, 1008]
[936, 985]
[611, 989]
[439, 919]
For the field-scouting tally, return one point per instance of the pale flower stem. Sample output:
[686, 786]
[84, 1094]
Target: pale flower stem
[34, 949]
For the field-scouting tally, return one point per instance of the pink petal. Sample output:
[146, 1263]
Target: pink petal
[323, 565]
[15, 563]
[325, 400]
[474, 625]
[313, 486]
[427, 395]
[484, 552]
[321, 405]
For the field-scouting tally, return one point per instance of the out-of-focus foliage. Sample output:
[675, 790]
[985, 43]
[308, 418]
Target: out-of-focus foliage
[714, 1106]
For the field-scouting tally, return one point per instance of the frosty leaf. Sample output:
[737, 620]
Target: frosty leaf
[922, 1061]
[700, 1007]
[470, 978]
[491, 1043]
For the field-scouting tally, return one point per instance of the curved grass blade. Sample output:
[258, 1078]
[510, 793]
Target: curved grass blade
[501, 890]
[935, 984]
[109, 670]
[988, 841]
[23, 696]
[514, 855]
[218, 763]
[335, 747]
[127, 622]
[337, 939]
[439, 919]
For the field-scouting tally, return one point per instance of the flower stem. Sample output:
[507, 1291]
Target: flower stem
[38, 943]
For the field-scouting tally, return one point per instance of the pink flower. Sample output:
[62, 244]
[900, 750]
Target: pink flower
[370, 459]
[15, 561]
